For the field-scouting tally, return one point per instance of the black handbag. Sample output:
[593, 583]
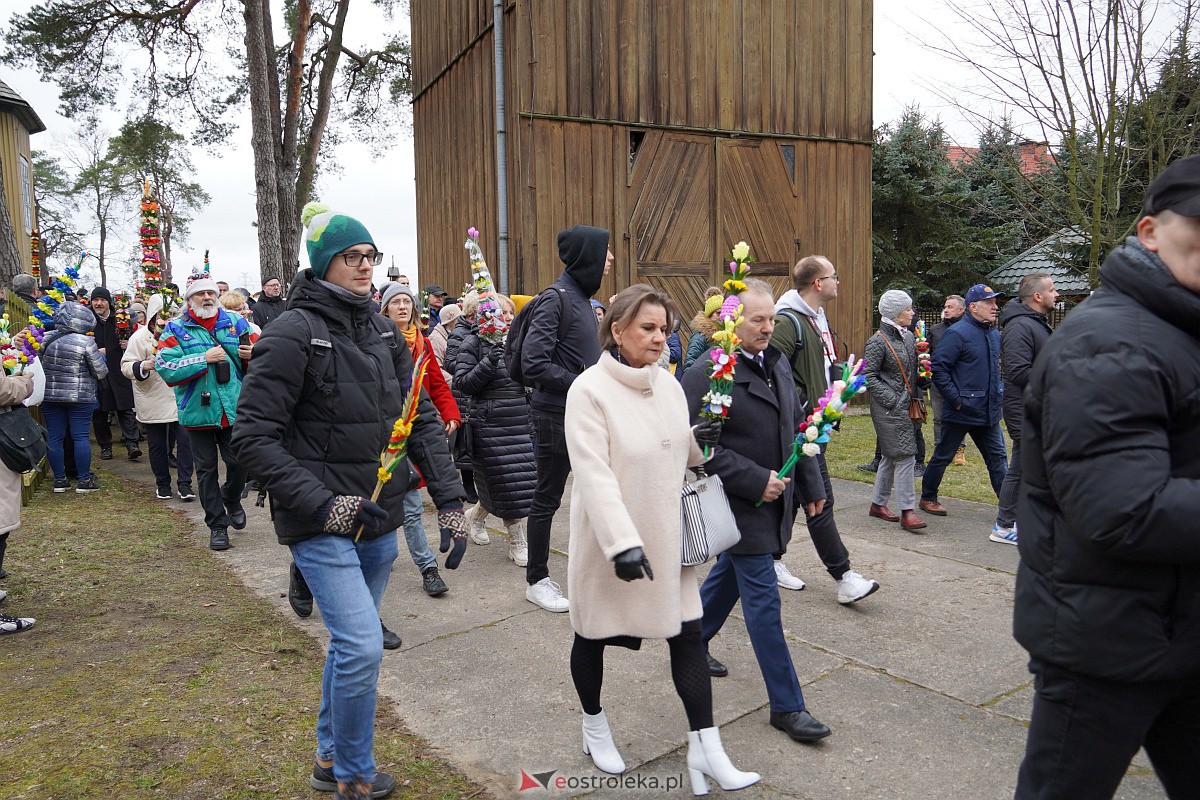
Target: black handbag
[22, 440]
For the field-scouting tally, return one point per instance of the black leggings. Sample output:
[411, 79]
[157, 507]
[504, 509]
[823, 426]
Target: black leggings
[689, 671]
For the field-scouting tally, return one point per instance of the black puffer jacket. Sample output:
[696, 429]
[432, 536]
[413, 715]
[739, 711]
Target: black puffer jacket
[462, 457]
[116, 393]
[551, 362]
[268, 309]
[1023, 333]
[306, 446]
[1109, 580]
[501, 436]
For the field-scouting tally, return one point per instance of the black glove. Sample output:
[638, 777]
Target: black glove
[345, 513]
[631, 563]
[707, 432]
[453, 525]
[494, 356]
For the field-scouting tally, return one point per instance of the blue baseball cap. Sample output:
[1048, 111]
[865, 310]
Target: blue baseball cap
[981, 291]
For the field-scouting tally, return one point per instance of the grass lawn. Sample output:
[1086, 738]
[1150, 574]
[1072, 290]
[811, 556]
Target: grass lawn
[153, 672]
[854, 444]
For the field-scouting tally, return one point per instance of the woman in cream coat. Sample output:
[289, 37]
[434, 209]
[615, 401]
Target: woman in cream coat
[629, 442]
[156, 407]
[13, 391]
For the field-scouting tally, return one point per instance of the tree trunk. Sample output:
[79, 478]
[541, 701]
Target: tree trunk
[165, 227]
[103, 240]
[264, 106]
[10, 253]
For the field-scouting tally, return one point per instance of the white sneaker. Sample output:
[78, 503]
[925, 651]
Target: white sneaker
[854, 587]
[3, 594]
[475, 517]
[1004, 535]
[547, 594]
[786, 579]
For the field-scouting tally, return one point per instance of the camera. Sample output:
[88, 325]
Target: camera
[205, 398]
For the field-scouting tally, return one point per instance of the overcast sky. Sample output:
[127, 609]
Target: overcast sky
[381, 191]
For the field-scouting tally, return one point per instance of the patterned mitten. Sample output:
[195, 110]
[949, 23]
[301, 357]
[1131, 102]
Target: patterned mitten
[453, 525]
[346, 512]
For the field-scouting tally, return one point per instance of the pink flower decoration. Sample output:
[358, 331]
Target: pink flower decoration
[473, 233]
[729, 309]
[733, 267]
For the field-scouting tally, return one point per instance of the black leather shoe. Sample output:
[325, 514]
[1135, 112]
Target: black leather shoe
[299, 596]
[391, 640]
[237, 518]
[218, 539]
[799, 725]
[106, 454]
[135, 453]
[716, 668]
[433, 583]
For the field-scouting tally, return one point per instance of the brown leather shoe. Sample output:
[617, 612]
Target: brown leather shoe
[932, 507]
[910, 521]
[882, 512]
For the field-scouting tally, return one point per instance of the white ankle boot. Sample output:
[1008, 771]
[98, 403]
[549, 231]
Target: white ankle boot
[598, 743]
[706, 756]
[475, 515]
[518, 548]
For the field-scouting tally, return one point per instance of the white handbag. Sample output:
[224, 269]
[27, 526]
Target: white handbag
[707, 527]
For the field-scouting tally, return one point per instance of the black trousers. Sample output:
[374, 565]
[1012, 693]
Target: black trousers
[159, 436]
[553, 467]
[1085, 732]
[823, 530]
[217, 500]
[130, 432]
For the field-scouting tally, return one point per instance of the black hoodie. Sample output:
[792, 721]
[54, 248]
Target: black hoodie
[1023, 332]
[550, 362]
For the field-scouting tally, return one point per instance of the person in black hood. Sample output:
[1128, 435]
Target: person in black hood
[560, 343]
[1107, 597]
[1024, 329]
[328, 381]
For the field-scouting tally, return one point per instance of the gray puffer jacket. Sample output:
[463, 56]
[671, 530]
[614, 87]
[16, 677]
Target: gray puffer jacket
[70, 358]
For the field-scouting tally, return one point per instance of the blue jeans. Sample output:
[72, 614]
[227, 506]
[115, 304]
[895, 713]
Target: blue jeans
[988, 438]
[752, 579]
[414, 532]
[79, 416]
[347, 580]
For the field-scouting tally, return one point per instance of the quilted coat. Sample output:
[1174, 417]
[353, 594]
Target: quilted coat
[502, 439]
[889, 396]
[70, 358]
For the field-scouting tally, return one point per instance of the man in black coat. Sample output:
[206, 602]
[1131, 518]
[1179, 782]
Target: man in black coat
[270, 303]
[1024, 329]
[116, 391]
[326, 384]
[756, 438]
[1108, 590]
[953, 310]
[560, 343]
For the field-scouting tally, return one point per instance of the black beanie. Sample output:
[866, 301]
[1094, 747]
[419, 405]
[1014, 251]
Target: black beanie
[101, 293]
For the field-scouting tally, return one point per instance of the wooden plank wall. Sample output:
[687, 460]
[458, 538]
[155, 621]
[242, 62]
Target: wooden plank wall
[14, 142]
[586, 74]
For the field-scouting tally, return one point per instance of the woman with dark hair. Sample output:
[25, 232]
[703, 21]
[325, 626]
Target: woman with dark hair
[630, 444]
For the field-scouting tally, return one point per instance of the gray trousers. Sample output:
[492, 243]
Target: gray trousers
[898, 471]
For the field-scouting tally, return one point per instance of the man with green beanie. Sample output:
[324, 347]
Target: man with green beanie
[313, 437]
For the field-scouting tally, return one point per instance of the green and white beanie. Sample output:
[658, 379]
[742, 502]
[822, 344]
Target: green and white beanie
[329, 233]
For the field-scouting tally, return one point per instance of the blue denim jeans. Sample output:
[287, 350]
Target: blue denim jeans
[57, 416]
[347, 580]
[414, 532]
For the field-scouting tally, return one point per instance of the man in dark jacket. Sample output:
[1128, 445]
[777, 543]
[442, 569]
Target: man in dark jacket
[953, 310]
[116, 391]
[756, 438]
[270, 303]
[555, 351]
[1023, 330]
[966, 370]
[313, 434]
[1108, 589]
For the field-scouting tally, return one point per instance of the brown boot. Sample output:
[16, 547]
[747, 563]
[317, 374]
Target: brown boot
[960, 458]
[882, 512]
[910, 521]
[932, 507]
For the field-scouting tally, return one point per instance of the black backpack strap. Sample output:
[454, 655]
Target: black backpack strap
[320, 352]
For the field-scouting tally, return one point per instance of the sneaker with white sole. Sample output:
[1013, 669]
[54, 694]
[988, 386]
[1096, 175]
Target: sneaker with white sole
[853, 587]
[786, 579]
[476, 515]
[3, 594]
[1004, 535]
[61, 485]
[10, 624]
[547, 594]
[163, 494]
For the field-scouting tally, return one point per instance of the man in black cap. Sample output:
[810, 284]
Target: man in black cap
[116, 391]
[554, 352]
[966, 370]
[1108, 588]
[437, 298]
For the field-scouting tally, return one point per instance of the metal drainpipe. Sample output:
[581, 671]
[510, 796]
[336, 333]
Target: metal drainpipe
[501, 146]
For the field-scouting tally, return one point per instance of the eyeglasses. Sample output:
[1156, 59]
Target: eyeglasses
[354, 259]
[833, 276]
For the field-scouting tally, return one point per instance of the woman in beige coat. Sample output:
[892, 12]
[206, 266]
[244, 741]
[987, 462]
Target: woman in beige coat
[13, 391]
[629, 442]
